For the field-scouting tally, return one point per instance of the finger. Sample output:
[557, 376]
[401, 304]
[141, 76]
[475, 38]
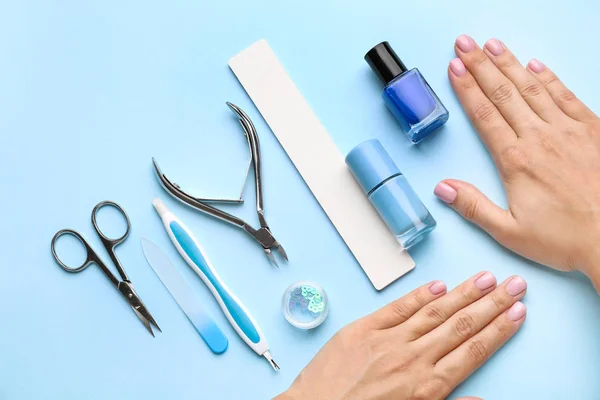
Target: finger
[497, 87]
[493, 129]
[402, 309]
[470, 320]
[562, 96]
[462, 362]
[438, 311]
[534, 93]
[474, 206]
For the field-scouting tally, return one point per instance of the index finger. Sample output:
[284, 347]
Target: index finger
[491, 126]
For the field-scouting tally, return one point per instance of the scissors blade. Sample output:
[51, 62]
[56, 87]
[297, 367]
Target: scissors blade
[127, 290]
[141, 309]
[143, 319]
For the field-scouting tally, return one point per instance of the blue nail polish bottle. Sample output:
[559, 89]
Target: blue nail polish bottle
[390, 193]
[407, 94]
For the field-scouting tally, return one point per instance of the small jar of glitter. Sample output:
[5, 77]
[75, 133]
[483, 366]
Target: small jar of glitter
[305, 305]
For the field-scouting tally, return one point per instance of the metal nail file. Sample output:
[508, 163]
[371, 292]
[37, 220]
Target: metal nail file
[320, 163]
[183, 295]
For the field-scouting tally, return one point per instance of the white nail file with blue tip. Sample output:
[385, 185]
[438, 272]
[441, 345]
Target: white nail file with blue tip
[236, 313]
[185, 297]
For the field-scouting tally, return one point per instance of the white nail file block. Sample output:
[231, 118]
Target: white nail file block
[321, 164]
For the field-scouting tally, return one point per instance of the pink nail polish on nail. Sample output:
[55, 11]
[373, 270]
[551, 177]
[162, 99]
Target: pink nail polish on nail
[445, 192]
[437, 287]
[536, 66]
[457, 67]
[517, 311]
[516, 286]
[485, 281]
[465, 43]
[495, 47]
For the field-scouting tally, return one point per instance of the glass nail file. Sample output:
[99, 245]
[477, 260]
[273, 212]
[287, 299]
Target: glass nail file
[236, 313]
[185, 297]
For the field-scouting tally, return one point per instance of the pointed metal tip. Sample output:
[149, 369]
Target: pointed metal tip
[240, 113]
[233, 107]
[271, 258]
[153, 322]
[275, 366]
[146, 323]
[155, 163]
[271, 361]
[282, 252]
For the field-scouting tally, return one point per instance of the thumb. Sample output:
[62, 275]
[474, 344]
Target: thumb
[474, 206]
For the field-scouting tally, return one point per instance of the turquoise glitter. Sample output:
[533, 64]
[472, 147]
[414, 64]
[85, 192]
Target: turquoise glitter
[305, 305]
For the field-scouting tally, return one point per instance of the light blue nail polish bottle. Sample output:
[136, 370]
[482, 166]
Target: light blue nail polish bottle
[390, 193]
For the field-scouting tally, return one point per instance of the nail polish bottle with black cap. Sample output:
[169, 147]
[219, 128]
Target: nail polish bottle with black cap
[407, 94]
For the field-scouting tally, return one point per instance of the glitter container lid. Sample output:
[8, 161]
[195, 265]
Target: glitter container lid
[305, 305]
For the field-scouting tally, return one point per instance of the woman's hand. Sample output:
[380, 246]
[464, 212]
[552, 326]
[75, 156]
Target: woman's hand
[418, 347]
[546, 146]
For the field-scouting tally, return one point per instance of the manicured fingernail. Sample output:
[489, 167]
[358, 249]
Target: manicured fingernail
[445, 192]
[516, 286]
[465, 43]
[517, 311]
[485, 281]
[457, 67]
[494, 46]
[536, 66]
[437, 287]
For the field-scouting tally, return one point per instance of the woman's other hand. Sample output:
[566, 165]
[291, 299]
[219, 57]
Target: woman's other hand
[418, 347]
[546, 146]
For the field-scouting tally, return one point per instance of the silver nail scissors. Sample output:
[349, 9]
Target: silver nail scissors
[262, 235]
[124, 286]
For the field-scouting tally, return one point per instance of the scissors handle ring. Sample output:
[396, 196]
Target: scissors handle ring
[97, 228]
[88, 257]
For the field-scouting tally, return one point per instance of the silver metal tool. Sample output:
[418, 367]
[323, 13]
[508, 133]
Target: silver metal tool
[262, 235]
[124, 286]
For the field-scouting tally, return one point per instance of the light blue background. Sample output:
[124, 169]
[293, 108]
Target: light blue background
[91, 90]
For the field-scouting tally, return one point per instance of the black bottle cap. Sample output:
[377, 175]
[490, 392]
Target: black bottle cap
[384, 61]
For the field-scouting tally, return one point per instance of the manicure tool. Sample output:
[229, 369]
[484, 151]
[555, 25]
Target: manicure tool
[185, 298]
[236, 313]
[124, 286]
[320, 163]
[262, 235]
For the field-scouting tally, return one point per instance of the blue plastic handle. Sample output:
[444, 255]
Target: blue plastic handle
[233, 307]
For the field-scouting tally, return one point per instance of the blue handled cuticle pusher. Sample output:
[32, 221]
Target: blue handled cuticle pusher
[236, 313]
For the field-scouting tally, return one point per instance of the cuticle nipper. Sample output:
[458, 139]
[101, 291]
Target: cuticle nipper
[262, 235]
